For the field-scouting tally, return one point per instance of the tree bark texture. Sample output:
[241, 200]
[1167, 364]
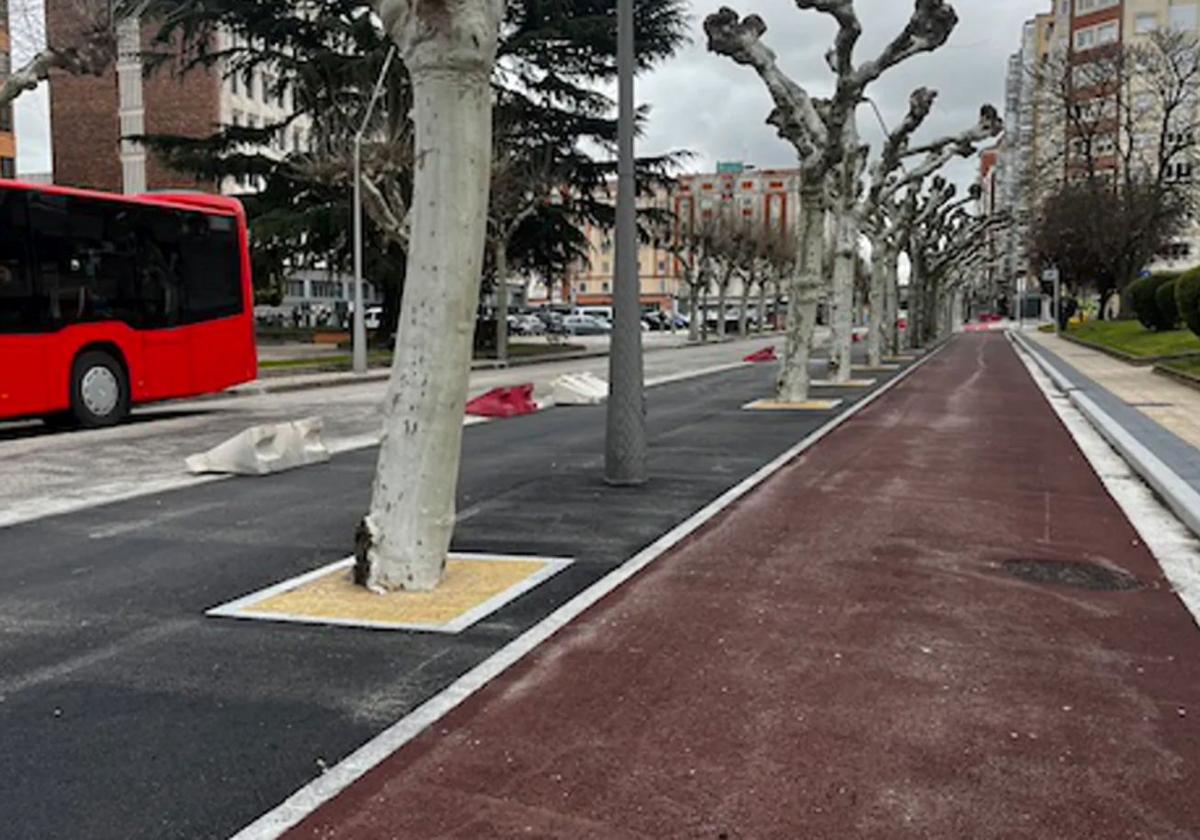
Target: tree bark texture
[449, 49]
[804, 283]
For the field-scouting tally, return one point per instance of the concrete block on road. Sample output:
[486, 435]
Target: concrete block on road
[262, 450]
[580, 389]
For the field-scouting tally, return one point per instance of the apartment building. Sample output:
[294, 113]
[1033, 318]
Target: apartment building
[770, 197]
[8, 143]
[1039, 151]
[93, 118]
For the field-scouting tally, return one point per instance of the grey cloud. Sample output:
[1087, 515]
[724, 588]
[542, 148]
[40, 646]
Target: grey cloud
[717, 109]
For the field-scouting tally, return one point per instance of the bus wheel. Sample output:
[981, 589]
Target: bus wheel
[99, 390]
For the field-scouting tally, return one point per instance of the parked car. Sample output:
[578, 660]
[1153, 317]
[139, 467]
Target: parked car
[372, 316]
[527, 325]
[585, 325]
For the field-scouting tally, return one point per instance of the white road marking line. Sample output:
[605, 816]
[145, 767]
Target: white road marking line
[1168, 539]
[319, 791]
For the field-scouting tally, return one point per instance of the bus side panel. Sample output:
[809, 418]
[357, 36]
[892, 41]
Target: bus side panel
[23, 375]
[222, 353]
[166, 369]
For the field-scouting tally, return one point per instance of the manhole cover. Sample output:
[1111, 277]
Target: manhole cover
[1078, 575]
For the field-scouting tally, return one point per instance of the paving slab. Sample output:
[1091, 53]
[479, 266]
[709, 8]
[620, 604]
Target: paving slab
[893, 638]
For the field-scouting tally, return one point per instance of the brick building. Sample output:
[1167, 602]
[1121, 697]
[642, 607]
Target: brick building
[8, 144]
[92, 118]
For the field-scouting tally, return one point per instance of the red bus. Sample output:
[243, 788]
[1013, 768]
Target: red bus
[109, 301]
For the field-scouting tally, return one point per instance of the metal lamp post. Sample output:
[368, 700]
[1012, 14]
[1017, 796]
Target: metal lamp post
[625, 439]
[359, 337]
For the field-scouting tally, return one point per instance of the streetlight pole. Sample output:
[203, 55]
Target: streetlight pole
[359, 337]
[625, 439]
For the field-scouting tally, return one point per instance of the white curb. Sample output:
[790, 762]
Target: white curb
[1180, 496]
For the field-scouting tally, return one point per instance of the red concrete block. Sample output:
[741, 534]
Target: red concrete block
[767, 354]
[504, 402]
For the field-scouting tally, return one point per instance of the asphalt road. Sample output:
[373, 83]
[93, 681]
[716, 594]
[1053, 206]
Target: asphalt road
[127, 714]
[44, 472]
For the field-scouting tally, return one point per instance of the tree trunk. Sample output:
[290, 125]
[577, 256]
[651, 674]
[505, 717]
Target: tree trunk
[892, 290]
[916, 306]
[501, 257]
[704, 313]
[693, 310]
[449, 50]
[842, 299]
[744, 313]
[877, 335]
[762, 306]
[804, 283]
[722, 298]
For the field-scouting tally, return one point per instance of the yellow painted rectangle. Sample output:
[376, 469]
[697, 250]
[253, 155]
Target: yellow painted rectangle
[850, 383]
[467, 585]
[776, 405]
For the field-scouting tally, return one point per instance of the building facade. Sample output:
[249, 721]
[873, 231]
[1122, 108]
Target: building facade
[770, 197]
[1040, 151]
[93, 119]
[8, 141]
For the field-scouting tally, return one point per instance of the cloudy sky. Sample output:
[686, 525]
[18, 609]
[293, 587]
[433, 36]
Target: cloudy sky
[717, 110]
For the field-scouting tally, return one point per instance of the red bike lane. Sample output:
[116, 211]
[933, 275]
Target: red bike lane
[851, 651]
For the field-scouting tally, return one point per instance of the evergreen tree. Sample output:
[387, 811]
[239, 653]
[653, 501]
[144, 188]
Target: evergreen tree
[325, 56]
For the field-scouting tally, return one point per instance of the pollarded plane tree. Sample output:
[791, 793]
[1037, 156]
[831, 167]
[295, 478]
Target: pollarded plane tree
[824, 134]
[883, 218]
[946, 245]
[695, 247]
[922, 209]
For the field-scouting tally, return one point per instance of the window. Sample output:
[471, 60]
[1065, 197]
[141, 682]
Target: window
[6, 118]
[1086, 7]
[662, 266]
[86, 258]
[604, 287]
[1178, 172]
[1183, 18]
[21, 308]
[1145, 23]
[8, 167]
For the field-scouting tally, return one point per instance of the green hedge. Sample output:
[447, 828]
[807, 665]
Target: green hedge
[1143, 295]
[1187, 297]
[1168, 308]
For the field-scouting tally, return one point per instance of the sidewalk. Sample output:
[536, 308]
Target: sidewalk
[1153, 421]
[877, 643]
[1172, 405]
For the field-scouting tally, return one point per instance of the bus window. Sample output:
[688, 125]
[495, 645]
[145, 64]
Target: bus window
[159, 261]
[86, 257]
[21, 309]
[211, 268]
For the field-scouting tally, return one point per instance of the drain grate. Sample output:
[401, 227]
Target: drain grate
[1074, 574]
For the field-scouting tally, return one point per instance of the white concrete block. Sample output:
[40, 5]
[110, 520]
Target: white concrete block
[261, 450]
[580, 389]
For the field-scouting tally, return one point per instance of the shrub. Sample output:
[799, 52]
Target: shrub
[1187, 297]
[1168, 308]
[1144, 299]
